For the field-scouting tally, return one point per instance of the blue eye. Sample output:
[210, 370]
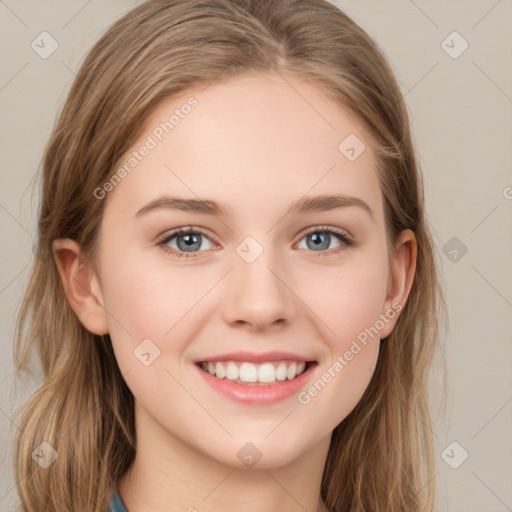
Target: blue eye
[322, 237]
[188, 241]
[185, 239]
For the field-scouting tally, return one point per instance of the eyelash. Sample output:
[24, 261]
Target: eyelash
[346, 240]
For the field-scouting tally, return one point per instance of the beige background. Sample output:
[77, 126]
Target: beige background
[461, 113]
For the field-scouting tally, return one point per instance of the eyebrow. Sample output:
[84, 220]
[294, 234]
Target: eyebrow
[307, 204]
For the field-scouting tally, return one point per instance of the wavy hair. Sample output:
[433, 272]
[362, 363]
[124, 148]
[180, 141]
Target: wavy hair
[381, 455]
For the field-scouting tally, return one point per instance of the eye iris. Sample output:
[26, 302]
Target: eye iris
[318, 243]
[190, 239]
[316, 240]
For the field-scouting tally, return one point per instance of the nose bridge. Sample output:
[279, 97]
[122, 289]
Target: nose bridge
[257, 293]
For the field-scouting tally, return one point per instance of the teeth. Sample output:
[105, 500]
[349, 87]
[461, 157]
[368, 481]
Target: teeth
[282, 371]
[292, 370]
[249, 372]
[232, 372]
[220, 371]
[267, 373]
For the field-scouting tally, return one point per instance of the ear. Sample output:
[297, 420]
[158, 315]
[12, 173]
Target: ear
[400, 280]
[81, 285]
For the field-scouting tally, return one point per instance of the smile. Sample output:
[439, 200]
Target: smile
[250, 373]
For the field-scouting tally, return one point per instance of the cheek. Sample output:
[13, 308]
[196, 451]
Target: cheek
[349, 299]
[348, 304]
[149, 302]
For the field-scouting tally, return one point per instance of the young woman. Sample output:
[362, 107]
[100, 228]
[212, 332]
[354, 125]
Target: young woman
[235, 297]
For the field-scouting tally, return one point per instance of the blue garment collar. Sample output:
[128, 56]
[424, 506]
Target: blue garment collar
[116, 505]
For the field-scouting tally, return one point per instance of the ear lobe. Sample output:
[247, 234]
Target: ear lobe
[400, 280]
[81, 285]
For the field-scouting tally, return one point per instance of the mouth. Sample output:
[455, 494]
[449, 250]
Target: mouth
[251, 374]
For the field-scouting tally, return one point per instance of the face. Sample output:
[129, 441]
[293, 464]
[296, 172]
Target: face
[252, 279]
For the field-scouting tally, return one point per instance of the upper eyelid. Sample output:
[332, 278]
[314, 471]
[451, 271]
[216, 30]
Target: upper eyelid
[192, 229]
[184, 231]
[332, 229]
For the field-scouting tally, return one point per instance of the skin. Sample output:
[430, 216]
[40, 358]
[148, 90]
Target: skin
[255, 144]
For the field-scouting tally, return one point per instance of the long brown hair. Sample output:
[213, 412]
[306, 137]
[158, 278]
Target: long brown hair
[381, 455]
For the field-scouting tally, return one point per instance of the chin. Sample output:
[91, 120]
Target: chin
[262, 453]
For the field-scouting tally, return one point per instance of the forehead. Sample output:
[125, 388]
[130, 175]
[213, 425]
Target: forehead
[251, 141]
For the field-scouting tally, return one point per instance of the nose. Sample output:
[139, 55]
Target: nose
[257, 295]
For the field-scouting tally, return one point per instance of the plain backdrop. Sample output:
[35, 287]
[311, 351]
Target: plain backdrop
[453, 61]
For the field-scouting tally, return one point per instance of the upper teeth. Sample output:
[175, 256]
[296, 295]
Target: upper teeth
[249, 372]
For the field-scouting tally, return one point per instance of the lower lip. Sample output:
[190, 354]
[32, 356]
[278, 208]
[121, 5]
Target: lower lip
[258, 394]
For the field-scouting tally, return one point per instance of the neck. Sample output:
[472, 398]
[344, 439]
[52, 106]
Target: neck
[168, 475]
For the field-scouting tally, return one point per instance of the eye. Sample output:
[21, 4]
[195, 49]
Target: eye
[321, 237]
[187, 241]
[184, 242]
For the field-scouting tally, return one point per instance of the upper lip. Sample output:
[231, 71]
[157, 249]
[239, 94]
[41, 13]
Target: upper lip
[253, 357]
